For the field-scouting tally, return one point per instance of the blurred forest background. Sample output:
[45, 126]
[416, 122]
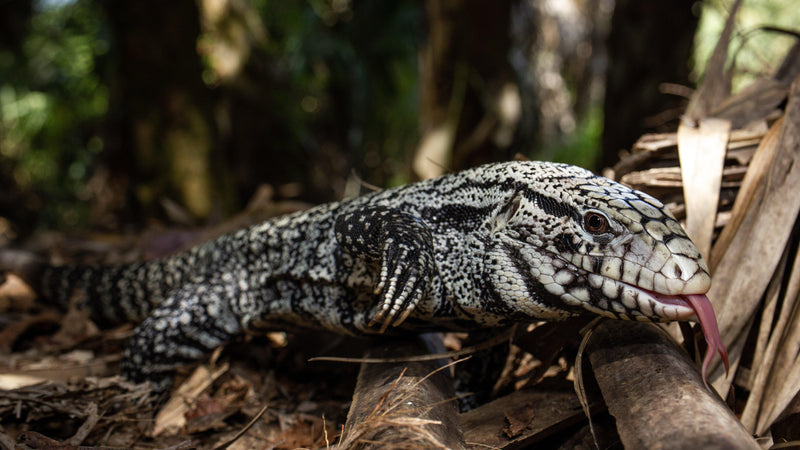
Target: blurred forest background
[111, 110]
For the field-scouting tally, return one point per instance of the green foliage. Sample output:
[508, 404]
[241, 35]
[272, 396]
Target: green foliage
[352, 67]
[51, 100]
[755, 51]
[582, 146]
[328, 74]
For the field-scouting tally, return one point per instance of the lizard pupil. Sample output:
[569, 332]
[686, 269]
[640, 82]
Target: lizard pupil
[595, 223]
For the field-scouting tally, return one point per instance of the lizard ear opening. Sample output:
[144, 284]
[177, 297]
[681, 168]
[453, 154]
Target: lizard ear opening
[499, 221]
[510, 208]
[507, 212]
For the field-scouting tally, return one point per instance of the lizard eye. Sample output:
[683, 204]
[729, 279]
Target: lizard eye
[595, 223]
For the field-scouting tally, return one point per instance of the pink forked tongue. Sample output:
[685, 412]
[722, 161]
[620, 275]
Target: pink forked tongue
[708, 322]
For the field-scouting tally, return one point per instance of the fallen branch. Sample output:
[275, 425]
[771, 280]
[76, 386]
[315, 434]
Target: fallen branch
[402, 404]
[656, 394]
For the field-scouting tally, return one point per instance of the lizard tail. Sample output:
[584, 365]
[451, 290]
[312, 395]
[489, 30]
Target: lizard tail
[26, 265]
[113, 293]
[37, 273]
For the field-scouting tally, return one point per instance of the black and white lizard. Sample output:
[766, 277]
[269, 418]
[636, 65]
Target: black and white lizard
[483, 248]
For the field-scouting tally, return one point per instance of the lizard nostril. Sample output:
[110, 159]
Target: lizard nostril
[678, 271]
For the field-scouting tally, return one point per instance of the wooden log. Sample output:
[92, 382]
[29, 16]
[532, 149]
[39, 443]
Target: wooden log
[403, 404]
[656, 394]
[521, 419]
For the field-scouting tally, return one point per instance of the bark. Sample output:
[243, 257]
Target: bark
[656, 394]
[402, 404]
[521, 419]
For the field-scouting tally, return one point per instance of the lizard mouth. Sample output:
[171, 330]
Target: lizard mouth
[685, 307]
[681, 307]
[701, 308]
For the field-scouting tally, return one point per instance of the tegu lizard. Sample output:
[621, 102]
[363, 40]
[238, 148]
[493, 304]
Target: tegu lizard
[483, 248]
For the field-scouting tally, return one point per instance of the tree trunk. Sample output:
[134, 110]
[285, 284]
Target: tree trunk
[650, 43]
[161, 131]
[466, 79]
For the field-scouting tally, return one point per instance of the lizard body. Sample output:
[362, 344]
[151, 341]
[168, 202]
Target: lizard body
[483, 248]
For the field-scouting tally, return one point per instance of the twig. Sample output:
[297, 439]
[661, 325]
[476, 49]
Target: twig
[325, 433]
[580, 388]
[87, 426]
[243, 430]
[418, 358]
[184, 445]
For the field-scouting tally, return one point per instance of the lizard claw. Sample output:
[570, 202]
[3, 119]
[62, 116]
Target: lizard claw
[401, 247]
[403, 282]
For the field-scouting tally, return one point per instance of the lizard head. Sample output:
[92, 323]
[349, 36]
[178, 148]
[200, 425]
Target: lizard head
[586, 242]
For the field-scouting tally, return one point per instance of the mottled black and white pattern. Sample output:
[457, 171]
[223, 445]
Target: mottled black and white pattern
[482, 248]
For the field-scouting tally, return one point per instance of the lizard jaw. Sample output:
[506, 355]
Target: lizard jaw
[681, 307]
[701, 309]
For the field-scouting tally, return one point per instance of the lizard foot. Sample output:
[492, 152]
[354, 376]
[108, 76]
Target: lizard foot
[404, 278]
[400, 247]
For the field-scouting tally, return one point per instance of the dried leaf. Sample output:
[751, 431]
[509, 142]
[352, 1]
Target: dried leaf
[754, 102]
[702, 154]
[204, 406]
[783, 382]
[15, 293]
[763, 354]
[301, 431]
[753, 254]
[715, 86]
[751, 190]
[518, 420]
[172, 416]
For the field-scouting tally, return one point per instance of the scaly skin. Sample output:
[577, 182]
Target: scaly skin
[482, 248]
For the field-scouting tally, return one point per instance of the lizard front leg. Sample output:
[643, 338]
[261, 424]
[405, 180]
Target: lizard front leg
[400, 246]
